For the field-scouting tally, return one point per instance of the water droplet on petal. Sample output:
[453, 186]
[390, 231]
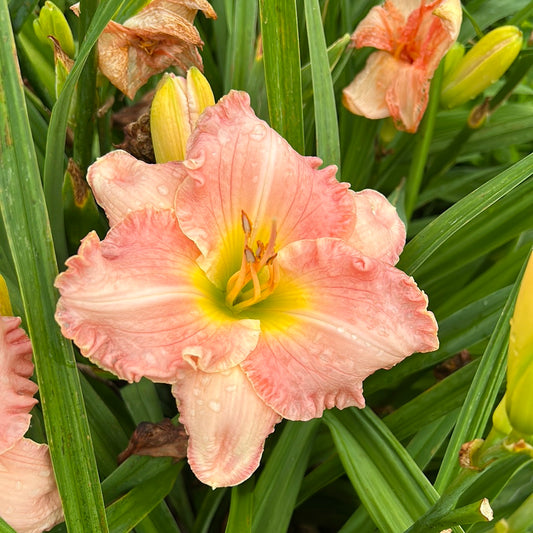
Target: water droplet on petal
[258, 132]
[214, 406]
[231, 388]
[195, 163]
[162, 190]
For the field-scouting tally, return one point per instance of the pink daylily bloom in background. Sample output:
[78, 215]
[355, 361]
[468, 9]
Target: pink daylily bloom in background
[29, 500]
[412, 37]
[161, 35]
[254, 282]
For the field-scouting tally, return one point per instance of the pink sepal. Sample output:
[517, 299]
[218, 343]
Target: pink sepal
[379, 232]
[122, 184]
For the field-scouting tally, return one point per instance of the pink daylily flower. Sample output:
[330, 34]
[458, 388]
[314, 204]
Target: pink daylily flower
[162, 34]
[29, 500]
[255, 283]
[412, 37]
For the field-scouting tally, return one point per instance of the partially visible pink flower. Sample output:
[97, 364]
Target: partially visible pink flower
[255, 283]
[162, 34]
[412, 36]
[29, 500]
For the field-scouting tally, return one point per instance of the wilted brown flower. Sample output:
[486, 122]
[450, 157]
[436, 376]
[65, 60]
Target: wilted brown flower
[161, 35]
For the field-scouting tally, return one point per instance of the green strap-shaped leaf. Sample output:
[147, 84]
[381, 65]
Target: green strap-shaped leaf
[279, 484]
[55, 142]
[431, 238]
[4, 528]
[279, 27]
[481, 397]
[125, 513]
[327, 128]
[24, 214]
[241, 49]
[389, 483]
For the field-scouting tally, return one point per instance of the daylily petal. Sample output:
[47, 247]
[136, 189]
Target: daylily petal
[366, 94]
[160, 35]
[335, 318]
[407, 97]
[379, 232]
[30, 502]
[137, 304]
[122, 184]
[236, 163]
[414, 35]
[16, 389]
[227, 424]
[381, 27]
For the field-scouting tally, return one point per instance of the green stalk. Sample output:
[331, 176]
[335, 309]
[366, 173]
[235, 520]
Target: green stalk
[85, 95]
[281, 52]
[327, 128]
[24, 213]
[423, 142]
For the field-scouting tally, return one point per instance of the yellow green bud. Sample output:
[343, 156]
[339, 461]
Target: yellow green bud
[500, 420]
[453, 58]
[482, 65]
[5, 304]
[177, 104]
[519, 402]
[52, 22]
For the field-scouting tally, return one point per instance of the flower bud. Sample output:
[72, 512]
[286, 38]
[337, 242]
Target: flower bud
[500, 420]
[519, 400]
[482, 65]
[177, 104]
[52, 22]
[5, 304]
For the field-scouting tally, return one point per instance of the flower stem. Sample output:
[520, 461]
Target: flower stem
[86, 96]
[423, 142]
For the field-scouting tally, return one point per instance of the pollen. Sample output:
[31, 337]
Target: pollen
[245, 287]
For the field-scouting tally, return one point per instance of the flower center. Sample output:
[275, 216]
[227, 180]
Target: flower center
[259, 273]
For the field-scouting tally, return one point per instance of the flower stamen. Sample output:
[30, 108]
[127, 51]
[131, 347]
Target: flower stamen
[251, 266]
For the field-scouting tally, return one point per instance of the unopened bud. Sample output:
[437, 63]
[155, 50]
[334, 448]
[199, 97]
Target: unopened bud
[500, 420]
[482, 65]
[519, 398]
[52, 22]
[177, 104]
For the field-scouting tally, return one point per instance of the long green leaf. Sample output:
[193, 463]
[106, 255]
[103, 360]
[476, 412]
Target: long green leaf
[24, 213]
[55, 142]
[278, 486]
[429, 240]
[327, 128]
[481, 397]
[281, 50]
[125, 513]
[389, 483]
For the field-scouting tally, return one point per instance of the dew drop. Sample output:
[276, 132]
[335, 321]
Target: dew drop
[258, 132]
[196, 163]
[214, 406]
[162, 190]
[231, 388]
